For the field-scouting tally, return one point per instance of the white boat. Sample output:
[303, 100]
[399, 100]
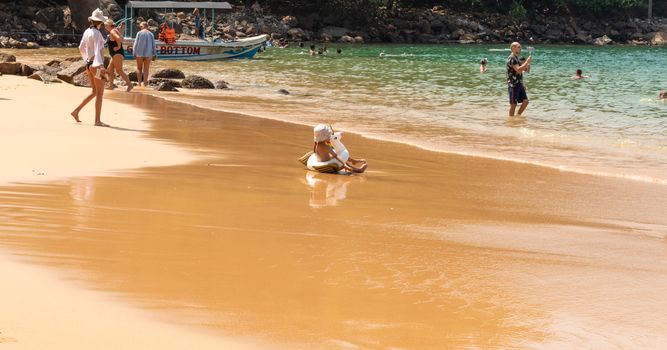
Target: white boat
[192, 50]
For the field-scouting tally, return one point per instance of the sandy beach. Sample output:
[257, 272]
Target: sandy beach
[200, 228]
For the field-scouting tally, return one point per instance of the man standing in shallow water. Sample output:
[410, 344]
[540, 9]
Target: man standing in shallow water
[515, 69]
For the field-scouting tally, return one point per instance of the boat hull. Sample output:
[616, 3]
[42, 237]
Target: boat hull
[201, 50]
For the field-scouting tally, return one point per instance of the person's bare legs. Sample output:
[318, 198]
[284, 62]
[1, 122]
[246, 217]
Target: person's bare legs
[99, 95]
[118, 66]
[88, 98]
[358, 170]
[512, 108]
[110, 69]
[524, 104]
[140, 73]
[357, 161]
[147, 67]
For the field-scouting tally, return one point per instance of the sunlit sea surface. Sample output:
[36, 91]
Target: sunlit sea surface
[433, 96]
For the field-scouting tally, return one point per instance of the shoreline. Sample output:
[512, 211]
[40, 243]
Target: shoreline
[181, 96]
[184, 234]
[535, 149]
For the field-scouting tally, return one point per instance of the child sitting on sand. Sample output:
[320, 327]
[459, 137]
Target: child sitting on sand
[324, 151]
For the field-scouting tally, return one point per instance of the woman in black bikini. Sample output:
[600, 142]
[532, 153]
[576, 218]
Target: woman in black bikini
[115, 44]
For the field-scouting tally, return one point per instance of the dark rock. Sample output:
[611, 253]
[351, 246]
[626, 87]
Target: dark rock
[81, 10]
[221, 84]
[310, 22]
[168, 85]
[53, 63]
[603, 40]
[45, 77]
[283, 92]
[332, 33]
[659, 38]
[50, 70]
[7, 58]
[80, 79]
[554, 34]
[290, 21]
[424, 26]
[346, 39]
[133, 76]
[169, 73]
[197, 82]
[28, 69]
[159, 81]
[437, 26]
[298, 34]
[76, 68]
[10, 68]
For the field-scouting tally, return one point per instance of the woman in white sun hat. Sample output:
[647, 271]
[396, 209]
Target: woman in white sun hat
[92, 44]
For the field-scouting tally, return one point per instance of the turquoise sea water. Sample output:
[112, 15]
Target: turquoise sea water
[433, 96]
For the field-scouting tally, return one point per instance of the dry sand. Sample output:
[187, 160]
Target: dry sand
[42, 142]
[425, 251]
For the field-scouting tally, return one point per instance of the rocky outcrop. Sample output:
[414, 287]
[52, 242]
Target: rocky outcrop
[81, 10]
[44, 77]
[34, 23]
[169, 73]
[80, 79]
[197, 82]
[159, 81]
[603, 40]
[167, 85]
[28, 69]
[75, 68]
[332, 33]
[7, 58]
[221, 84]
[10, 68]
[659, 38]
[12, 43]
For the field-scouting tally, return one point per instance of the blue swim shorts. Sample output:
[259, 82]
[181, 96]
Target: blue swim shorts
[517, 94]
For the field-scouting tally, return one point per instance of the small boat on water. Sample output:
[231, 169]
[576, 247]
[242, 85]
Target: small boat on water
[191, 50]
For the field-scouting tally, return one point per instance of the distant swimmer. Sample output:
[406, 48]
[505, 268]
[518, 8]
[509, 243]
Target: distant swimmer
[482, 65]
[662, 95]
[579, 75]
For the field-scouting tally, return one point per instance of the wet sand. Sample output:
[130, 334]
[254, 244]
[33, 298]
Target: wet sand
[425, 251]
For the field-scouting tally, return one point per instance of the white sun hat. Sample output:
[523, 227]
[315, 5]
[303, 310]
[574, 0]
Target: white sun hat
[98, 16]
[321, 133]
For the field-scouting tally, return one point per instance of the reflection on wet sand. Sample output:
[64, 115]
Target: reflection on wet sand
[328, 189]
[416, 257]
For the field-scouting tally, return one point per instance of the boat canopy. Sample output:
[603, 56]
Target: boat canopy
[178, 4]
